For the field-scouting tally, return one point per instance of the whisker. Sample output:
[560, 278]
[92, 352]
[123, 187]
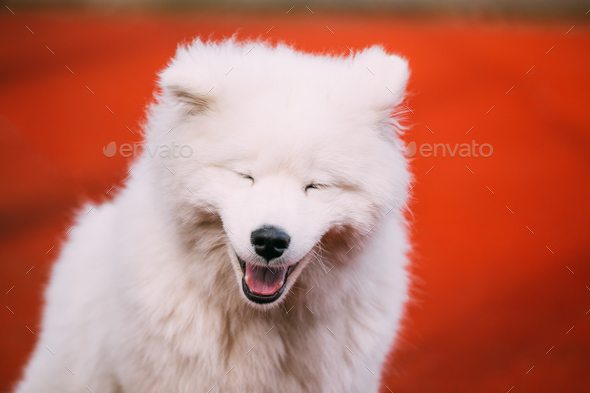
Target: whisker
[321, 264]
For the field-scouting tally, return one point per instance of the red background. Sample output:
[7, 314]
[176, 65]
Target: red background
[491, 298]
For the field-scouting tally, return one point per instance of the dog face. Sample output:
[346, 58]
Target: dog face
[286, 147]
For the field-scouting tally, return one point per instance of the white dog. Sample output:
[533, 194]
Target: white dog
[272, 259]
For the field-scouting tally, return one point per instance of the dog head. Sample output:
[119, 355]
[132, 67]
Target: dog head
[287, 149]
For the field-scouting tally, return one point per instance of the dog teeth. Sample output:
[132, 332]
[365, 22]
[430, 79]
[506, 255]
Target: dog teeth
[281, 283]
[246, 279]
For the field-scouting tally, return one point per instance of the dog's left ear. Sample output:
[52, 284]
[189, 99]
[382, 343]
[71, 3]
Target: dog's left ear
[383, 79]
[187, 88]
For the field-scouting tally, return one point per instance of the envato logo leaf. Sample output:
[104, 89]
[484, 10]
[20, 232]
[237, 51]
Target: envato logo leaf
[410, 150]
[110, 150]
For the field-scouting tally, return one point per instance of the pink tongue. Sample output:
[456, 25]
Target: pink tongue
[265, 280]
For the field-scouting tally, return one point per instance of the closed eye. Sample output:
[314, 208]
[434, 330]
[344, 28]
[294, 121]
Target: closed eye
[246, 176]
[313, 186]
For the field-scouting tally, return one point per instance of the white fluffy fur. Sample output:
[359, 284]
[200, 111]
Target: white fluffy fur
[146, 295]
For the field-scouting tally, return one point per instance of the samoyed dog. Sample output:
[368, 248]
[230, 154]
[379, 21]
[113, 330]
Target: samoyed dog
[273, 259]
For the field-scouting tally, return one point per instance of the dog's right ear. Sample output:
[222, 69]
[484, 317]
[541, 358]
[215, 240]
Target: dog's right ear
[183, 89]
[383, 78]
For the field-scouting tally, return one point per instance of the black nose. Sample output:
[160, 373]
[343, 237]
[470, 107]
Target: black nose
[269, 242]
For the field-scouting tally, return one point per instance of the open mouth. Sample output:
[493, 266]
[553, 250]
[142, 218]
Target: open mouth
[264, 284]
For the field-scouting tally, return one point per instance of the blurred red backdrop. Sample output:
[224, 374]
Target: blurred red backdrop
[492, 296]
